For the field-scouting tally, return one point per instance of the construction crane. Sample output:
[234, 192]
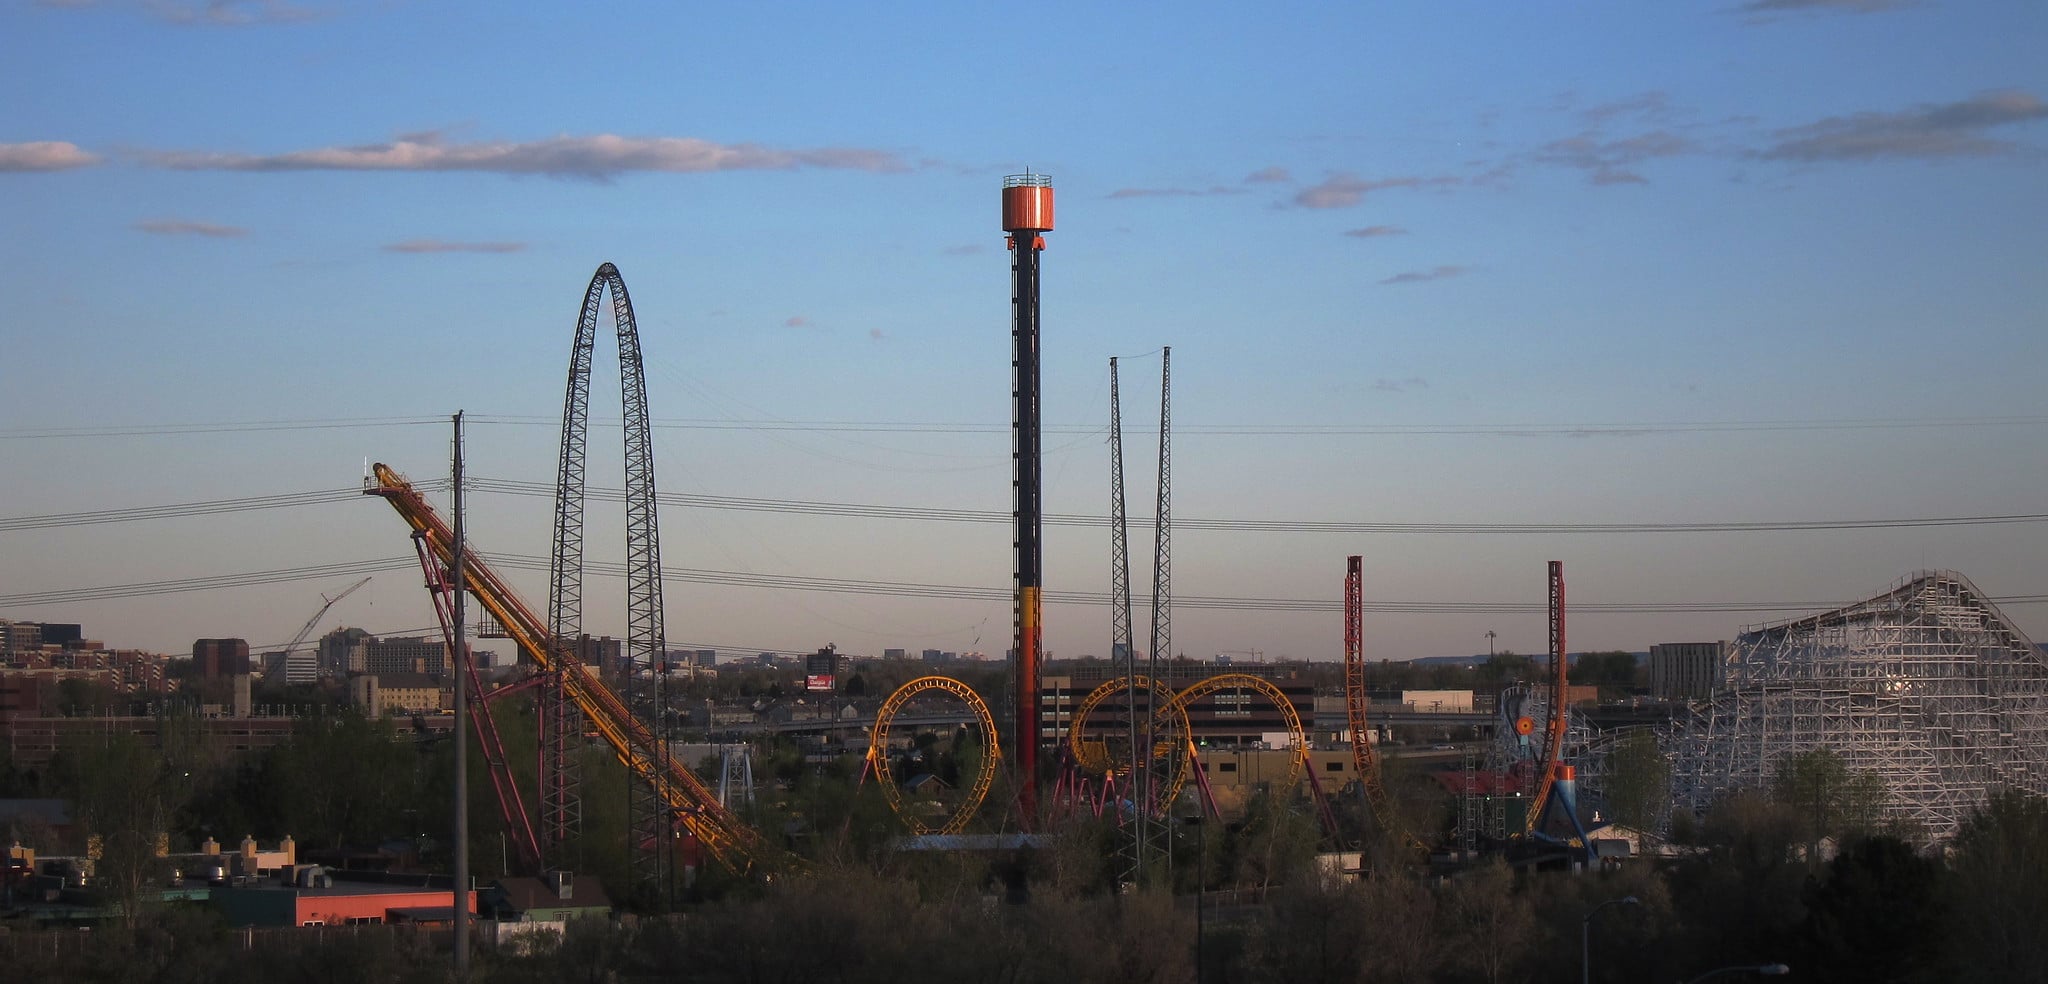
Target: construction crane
[692, 805]
[307, 629]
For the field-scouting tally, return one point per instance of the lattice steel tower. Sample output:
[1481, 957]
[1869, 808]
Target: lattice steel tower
[1132, 850]
[1162, 591]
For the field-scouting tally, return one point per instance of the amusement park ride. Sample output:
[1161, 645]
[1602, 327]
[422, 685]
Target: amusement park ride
[1136, 766]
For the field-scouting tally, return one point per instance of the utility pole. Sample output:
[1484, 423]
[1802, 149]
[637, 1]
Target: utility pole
[460, 660]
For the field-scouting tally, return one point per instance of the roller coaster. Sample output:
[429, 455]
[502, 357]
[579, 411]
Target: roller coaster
[1088, 750]
[695, 808]
[667, 798]
[691, 806]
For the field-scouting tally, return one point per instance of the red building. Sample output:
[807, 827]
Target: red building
[310, 896]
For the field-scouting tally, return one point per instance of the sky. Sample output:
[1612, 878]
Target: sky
[1512, 269]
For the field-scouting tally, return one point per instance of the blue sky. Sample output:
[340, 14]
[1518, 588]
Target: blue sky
[1474, 264]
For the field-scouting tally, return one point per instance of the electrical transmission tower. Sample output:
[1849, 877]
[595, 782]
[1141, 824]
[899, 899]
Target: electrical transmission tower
[1133, 850]
[1160, 769]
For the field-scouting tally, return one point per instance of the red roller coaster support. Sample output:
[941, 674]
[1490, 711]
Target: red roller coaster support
[518, 823]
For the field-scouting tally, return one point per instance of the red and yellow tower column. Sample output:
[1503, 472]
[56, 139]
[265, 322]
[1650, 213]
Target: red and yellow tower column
[1027, 214]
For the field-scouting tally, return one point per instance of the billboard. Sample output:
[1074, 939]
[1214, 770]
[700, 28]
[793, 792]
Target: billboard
[821, 672]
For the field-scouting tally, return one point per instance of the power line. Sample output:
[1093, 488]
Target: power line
[145, 589]
[900, 589]
[95, 517]
[943, 514]
[940, 514]
[216, 427]
[1274, 429]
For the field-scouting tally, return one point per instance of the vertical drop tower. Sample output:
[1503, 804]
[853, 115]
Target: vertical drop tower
[1027, 213]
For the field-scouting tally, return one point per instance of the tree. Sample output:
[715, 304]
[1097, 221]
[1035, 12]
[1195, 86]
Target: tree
[1636, 781]
[1738, 898]
[1831, 799]
[1996, 907]
[343, 780]
[1615, 669]
[1876, 917]
[1487, 929]
[1505, 667]
[123, 797]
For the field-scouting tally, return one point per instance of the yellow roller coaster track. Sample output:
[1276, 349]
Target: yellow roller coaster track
[1094, 755]
[696, 808]
[984, 777]
[1245, 681]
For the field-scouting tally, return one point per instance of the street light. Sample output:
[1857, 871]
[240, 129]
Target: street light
[1586, 936]
[1761, 970]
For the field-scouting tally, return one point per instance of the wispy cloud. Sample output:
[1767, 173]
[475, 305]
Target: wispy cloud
[186, 227]
[43, 155]
[1385, 385]
[1174, 192]
[1419, 276]
[210, 13]
[1823, 6]
[1954, 129]
[1376, 231]
[1342, 190]
[232, 13]
[599, 157]
[445, 246]
[1610, 162]
[1269, 175]
[1653, 105]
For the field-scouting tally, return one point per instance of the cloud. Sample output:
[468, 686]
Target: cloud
[1829, 6]
[43, 155]
[1269, 175]
[211, 13]
[1174, 192]
[231, 13]
[1374, 232]
[1419, 276]
[1385, 385]
[599, 157]
[183, 227]
[444, 246]
[797, 321]
[1926, 131]
[1648, 105]
[1343, 190]
[1611, 162]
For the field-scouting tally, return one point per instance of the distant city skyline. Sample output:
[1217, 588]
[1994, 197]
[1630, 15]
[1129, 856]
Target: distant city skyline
[1459, 293]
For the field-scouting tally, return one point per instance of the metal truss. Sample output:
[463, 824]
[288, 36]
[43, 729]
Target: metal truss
[644, 690]
[1133, 849]
[1928, 686]
[1160, 772]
